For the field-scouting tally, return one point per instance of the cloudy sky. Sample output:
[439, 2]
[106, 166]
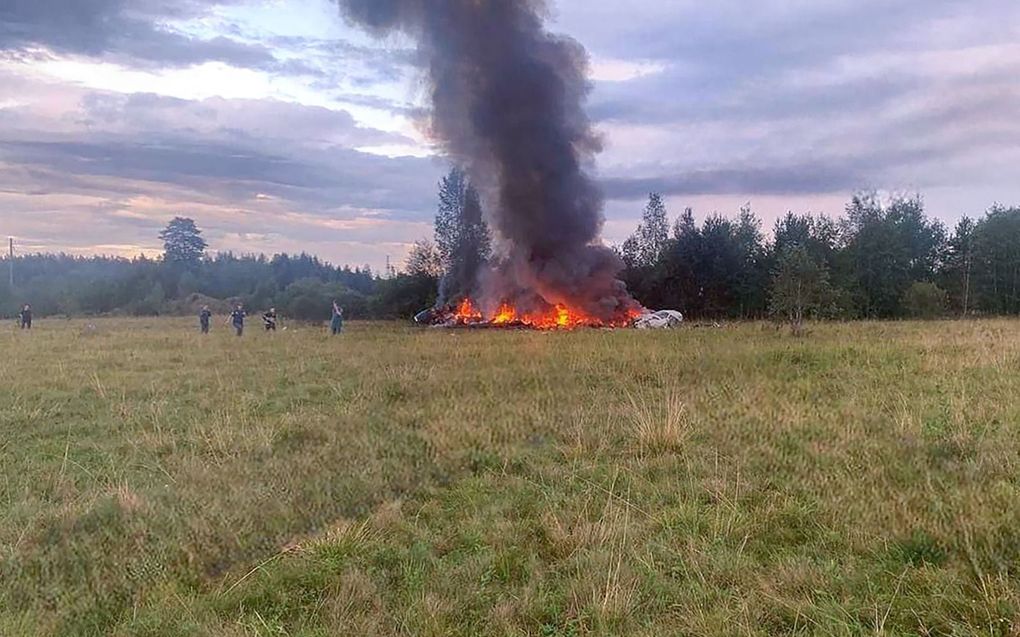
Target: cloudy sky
[279, 128]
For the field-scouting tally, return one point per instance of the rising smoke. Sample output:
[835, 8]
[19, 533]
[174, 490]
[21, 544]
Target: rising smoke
[507, 101]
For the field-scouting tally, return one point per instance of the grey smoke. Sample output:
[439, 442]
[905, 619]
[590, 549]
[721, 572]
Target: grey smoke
[507, 104]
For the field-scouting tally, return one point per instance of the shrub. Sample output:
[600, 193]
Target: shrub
[924, 300]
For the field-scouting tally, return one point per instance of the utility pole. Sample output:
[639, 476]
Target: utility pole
[11, 264]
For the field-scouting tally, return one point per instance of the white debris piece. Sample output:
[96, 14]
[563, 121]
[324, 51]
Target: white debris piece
[661, 320]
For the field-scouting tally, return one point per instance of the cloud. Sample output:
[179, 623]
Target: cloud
[798, 100]
[782, 97]
[789, 180]
[85, 167]
[317, 182]
[135, 32]
[259, 122]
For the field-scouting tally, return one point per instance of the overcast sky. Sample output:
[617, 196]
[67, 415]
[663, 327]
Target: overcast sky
[278, 128]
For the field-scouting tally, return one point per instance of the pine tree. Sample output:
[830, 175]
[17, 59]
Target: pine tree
[681, 266]
[958, 269]
[462, 235]
[182, 242]
[752, 278]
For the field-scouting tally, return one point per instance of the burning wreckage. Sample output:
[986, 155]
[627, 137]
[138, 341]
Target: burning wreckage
[466, 315]
[507, 106]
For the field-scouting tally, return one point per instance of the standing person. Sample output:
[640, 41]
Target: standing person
[26, 317]
[269, 319]
[237, 319]
[337, 324]
[203, 319]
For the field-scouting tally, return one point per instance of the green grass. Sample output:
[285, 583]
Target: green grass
[864, 480]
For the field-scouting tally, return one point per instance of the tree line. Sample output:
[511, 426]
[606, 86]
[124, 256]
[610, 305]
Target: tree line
[878, 260]
[299, 286]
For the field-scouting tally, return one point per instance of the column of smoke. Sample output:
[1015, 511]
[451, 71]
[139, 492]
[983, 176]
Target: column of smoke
[507, 102]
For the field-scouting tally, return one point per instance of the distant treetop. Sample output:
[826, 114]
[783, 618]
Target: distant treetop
[182, 242]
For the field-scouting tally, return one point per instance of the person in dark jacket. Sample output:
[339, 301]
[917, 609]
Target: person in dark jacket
[26, 317]
[269, 319]
[203, 319]
[237, 320]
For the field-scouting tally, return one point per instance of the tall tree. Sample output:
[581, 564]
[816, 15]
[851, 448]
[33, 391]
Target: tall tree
[958, 270]
[644, 248]
[997, 260]
[669, 281]
[462, 236]
[887, 248]
[682, 278]
[800, 287]
[182, 242]
[753, 275]
[719, 267]
[816, 234]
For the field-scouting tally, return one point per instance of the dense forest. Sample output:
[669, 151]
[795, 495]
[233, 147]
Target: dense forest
[300, 286]
[878, 260]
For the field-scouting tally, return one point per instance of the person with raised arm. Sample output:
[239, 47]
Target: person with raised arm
[337, 324]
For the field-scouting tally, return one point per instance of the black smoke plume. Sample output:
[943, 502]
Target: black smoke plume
[507, 104]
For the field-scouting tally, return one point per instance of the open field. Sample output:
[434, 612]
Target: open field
[736, 481]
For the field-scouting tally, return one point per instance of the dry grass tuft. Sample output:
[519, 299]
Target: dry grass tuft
[659, 426]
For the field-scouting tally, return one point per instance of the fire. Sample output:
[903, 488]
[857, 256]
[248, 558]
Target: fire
[505, 315]
[562, 316]
[468, 313]
[555, 317]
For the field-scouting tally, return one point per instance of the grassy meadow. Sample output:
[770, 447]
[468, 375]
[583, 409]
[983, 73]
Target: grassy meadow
[862, 480]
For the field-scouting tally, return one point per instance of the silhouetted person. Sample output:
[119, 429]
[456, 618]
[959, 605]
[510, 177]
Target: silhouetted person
[237, 320]
[337, 324]
[269, 319]
[26, 317]
[203, 319]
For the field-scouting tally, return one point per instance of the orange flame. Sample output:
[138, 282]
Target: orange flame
[505, 315]
[556, 317]
[468, 313]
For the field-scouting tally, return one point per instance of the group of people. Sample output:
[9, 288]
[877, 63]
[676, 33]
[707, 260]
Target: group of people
[236, 318]
[269, 319]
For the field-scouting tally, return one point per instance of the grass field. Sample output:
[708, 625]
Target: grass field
[863, 480]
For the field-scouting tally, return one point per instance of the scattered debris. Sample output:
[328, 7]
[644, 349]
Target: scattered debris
[661, 320]
[467, 317]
